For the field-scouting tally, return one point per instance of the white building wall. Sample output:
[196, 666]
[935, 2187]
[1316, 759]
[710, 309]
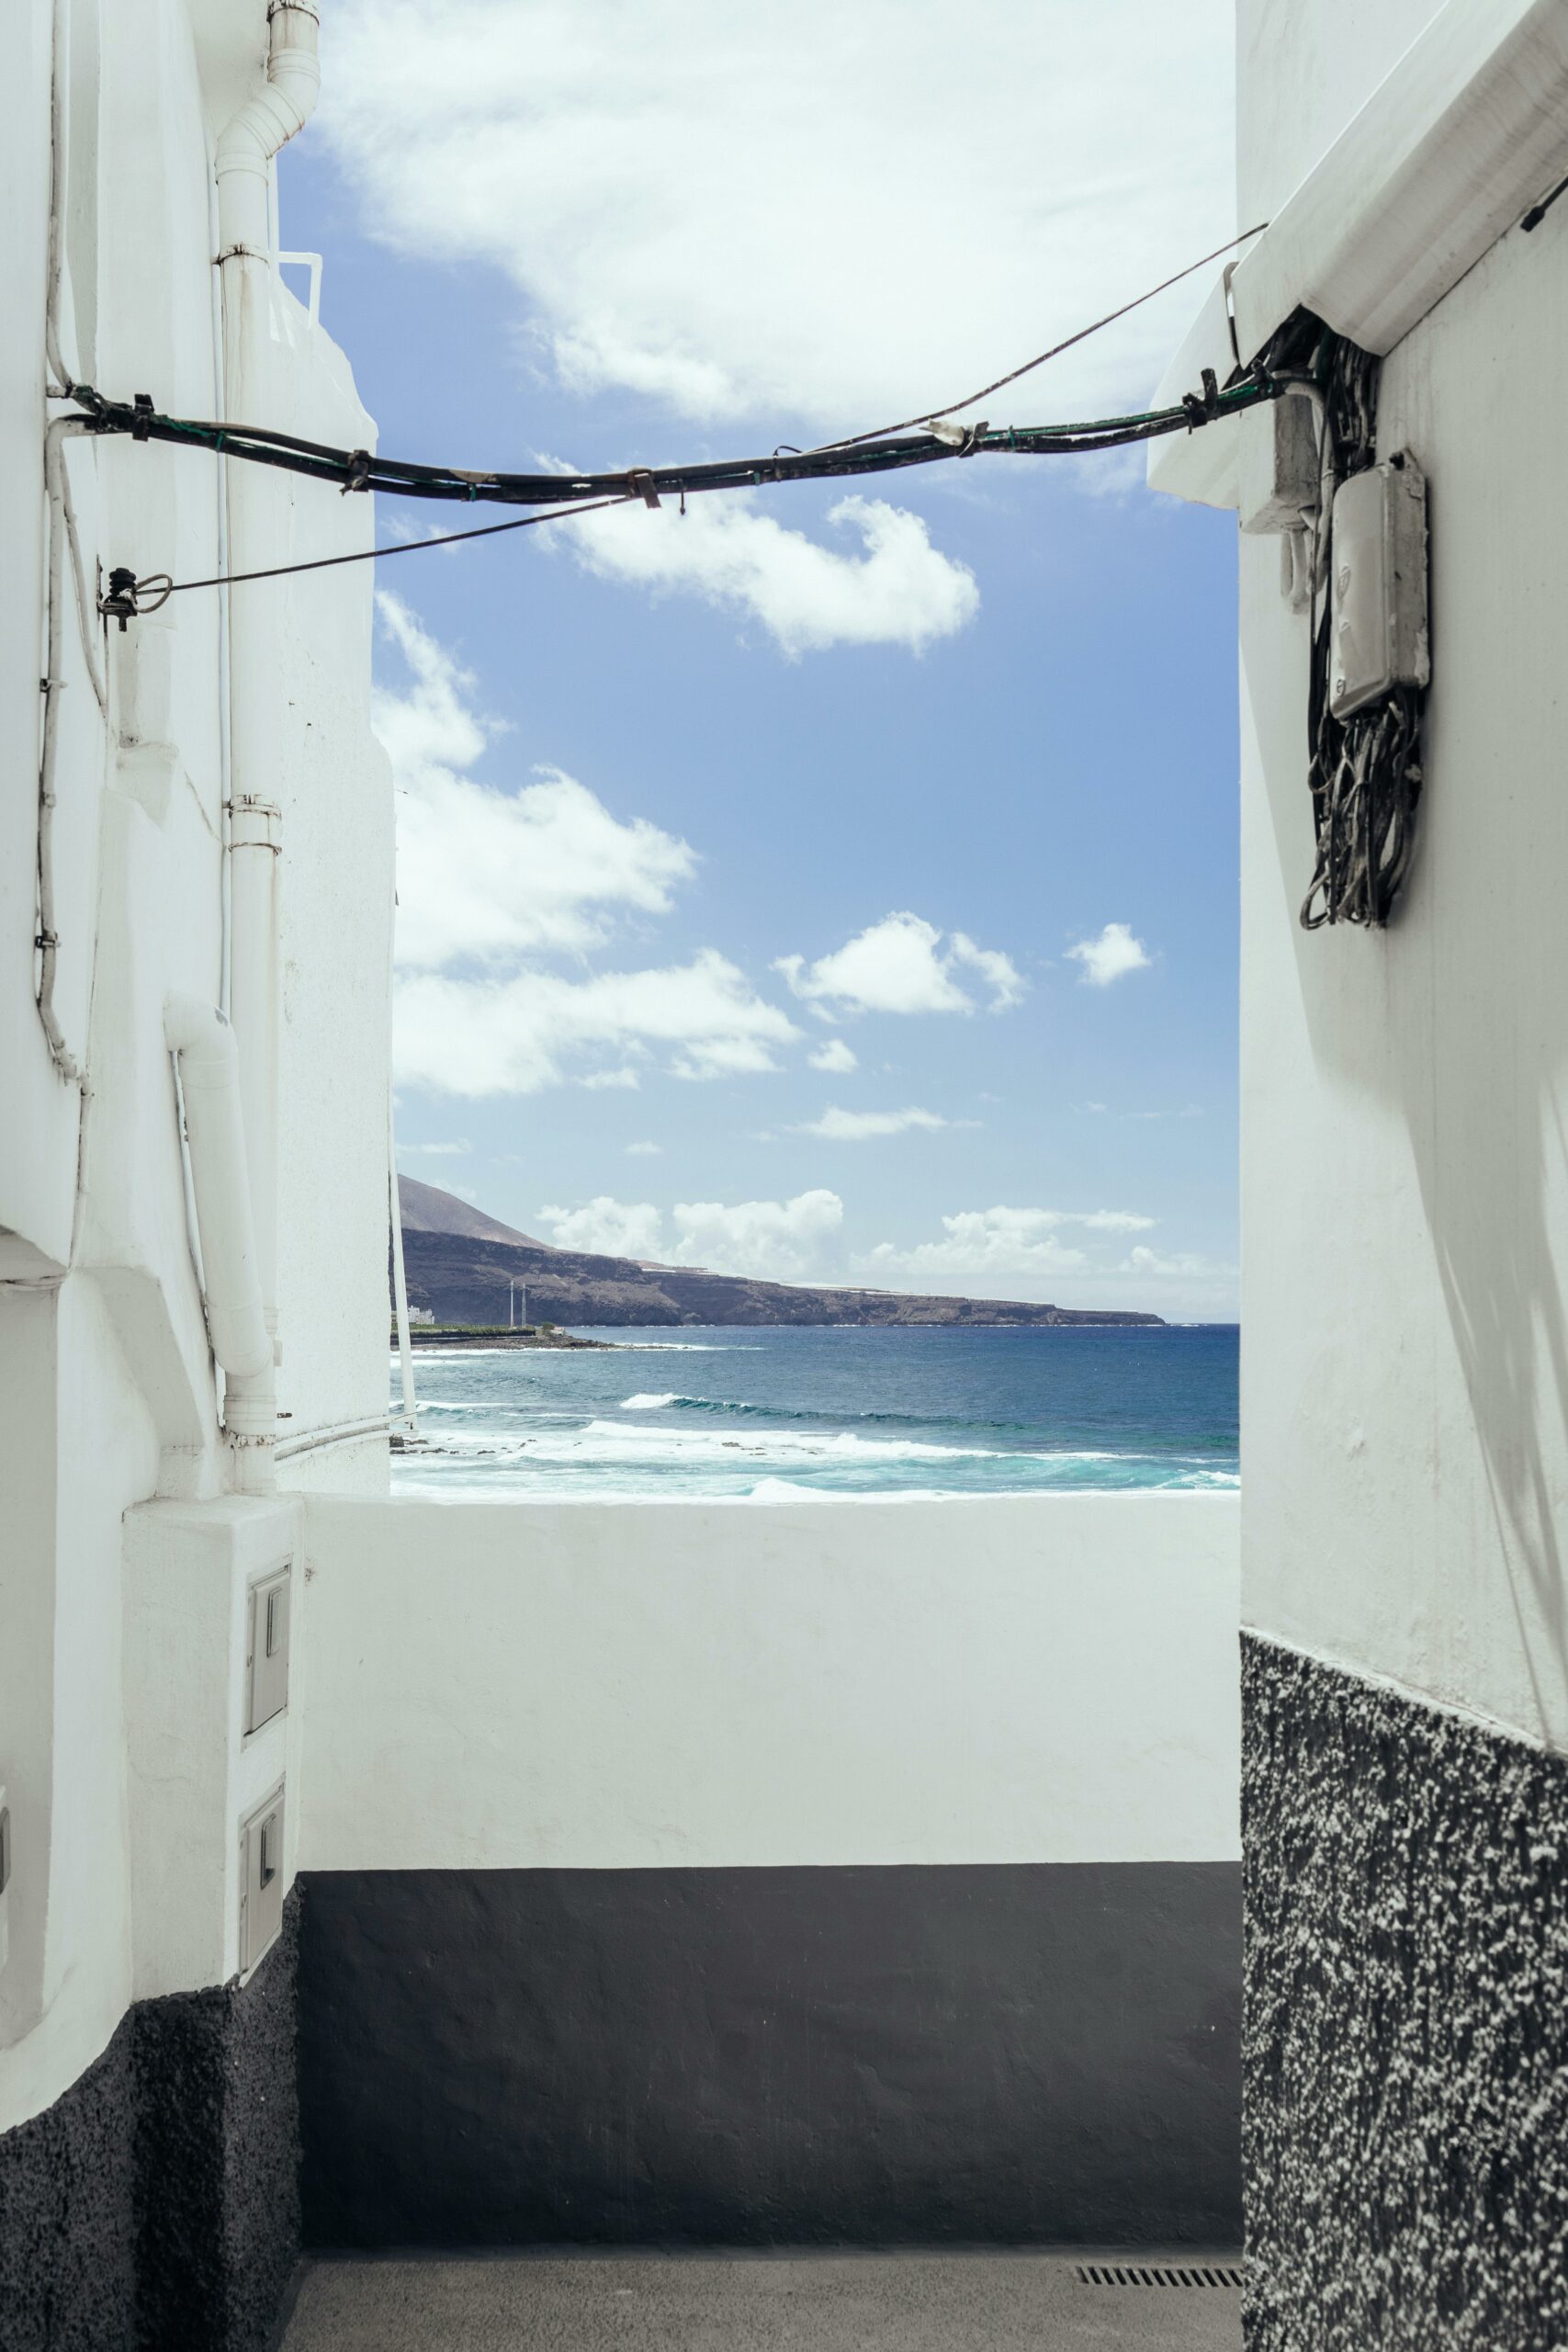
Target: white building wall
[639, 1686]
[107, 1383]
[1405, 1364]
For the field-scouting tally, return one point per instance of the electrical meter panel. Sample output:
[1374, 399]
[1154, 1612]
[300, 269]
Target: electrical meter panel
[1378, 635]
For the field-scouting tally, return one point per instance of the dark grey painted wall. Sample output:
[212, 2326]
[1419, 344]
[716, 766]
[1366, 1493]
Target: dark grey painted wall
[724, 2057]
[1406, 2047]
[154, 2207]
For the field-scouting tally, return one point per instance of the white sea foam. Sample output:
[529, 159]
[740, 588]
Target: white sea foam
[648, 1404]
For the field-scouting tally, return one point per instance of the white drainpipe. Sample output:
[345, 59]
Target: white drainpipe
[245, 150]
[203, 1043]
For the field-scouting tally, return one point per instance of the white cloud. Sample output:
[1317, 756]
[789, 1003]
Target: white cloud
[606, 1228]
[772, 1240]
[624, 170]
[1110, 957]
[433, 1150]
[896, 590]
[489, 874]
[834, 1057]
[490, 883]
[900, 966]
[644, 1150]
[1052, 1255]
[857, 1127]
[517, 1035]
[776, 1240]
[982, 1249]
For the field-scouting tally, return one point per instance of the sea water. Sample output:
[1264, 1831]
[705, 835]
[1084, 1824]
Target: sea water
[772, 1414]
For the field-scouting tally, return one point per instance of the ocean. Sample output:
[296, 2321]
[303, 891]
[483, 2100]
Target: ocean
[765, 1415]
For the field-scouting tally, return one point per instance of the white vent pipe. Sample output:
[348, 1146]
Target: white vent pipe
[243, 165]
[204, 1046]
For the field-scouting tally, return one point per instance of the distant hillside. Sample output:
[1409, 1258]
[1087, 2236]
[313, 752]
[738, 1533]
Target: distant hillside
[464, 1276]
[427, 1209]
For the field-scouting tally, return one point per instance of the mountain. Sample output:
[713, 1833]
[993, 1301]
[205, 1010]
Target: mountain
[462, 1264]
[427, 1209]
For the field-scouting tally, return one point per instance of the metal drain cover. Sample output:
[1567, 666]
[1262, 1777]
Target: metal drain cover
[1135, 2274]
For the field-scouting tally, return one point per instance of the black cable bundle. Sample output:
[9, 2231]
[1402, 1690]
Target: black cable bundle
[1364, 771]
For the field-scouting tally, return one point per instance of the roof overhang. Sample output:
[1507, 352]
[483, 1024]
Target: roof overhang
[1467, 128]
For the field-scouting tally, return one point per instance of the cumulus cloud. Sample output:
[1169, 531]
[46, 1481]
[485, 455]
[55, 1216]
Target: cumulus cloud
[834, 1056]
[1066, 1255]
[895, 589]
[770, 1240]
[433, 1150]
[1110, 957]
[607, 1227]
[982, 1248]
[624, 171]
[900, 965]
[516, 1034]
[490, 883]
[858, 1127]
[489, 874]
[644, 1150]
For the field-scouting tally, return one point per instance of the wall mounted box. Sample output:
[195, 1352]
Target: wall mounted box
[1378, 622]
[266, 1649]
[1278, 465]
[261, 1880]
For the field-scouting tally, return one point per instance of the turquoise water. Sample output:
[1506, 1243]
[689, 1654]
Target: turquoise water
[765, 1415]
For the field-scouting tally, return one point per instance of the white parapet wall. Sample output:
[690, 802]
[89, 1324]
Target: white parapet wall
[624, 1685]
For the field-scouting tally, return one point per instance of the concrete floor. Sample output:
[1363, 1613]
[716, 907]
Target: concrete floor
[979, 2302]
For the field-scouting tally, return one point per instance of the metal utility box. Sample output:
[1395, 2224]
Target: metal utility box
[266, 1649]
[1378, 557]
[261, 1880]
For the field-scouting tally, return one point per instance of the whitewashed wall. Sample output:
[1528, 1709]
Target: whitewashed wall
[1404, 1370]
[623, 1685]
[105, 1376]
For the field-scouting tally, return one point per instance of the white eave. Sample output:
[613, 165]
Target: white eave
[1466, 131]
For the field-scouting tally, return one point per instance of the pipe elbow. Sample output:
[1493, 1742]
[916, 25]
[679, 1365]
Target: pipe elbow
[253, 135]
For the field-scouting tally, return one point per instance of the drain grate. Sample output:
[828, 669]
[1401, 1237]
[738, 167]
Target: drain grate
[1125, 2274]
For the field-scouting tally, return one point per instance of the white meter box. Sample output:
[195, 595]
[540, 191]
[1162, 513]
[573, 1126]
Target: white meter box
[1378, 615]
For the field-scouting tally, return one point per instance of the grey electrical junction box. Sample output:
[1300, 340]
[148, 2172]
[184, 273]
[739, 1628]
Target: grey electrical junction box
[1378, 618]
[261, 1880]
[266, 1649]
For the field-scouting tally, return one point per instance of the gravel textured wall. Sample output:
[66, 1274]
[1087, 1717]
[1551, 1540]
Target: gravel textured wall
[155, 2206]
[1405, 2025]
[67, 2215]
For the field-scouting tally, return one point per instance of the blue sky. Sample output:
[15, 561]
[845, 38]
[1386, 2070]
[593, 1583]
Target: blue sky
[663, 791]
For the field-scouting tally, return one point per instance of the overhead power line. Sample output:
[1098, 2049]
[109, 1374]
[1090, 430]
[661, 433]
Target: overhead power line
[560, 496]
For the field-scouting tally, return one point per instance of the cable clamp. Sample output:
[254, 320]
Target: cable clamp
[1203, 408]
[124, 601]
[640, 482]
[358, 471]
[142, 416]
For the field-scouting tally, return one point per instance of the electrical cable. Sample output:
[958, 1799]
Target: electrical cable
[357, 469]
[367, 555]
[885, 450]
[928, 416]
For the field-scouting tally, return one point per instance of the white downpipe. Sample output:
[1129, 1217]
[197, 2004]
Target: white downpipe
[400, 1279]
[243, 165]
[205, 1048]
